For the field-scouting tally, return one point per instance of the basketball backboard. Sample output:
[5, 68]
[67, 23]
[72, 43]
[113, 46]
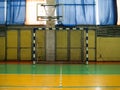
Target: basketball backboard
[48, 12]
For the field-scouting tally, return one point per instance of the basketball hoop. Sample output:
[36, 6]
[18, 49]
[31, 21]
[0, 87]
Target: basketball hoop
[49, 17]
[46, 12]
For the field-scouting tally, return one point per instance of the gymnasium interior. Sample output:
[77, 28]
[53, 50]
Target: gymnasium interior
[59, 44]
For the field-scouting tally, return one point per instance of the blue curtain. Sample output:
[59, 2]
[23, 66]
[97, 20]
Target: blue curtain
[2, 12]
[83, 12]
[68, 12]
[77, 12]
[16, 11]
[107, 12]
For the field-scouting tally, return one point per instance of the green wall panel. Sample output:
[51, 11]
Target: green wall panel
[11, 54]
[61, 54]
[25, 54]
[25, 44]
[40, 42]
[12, 38]
[91, 54]
[40, 54]
[91, 41]
[61, 45]
[2, 48]
[75, 38]
[75, 54]
[12, 44]
[61, 39]
[40, 38]
[25, 37]
[75, 45]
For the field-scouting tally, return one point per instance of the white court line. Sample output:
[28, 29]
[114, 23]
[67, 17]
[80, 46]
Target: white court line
[60, 83]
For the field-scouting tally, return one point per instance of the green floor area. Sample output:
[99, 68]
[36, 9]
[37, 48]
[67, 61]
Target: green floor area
[57, 69]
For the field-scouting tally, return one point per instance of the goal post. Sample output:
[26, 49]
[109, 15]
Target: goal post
[84, 47]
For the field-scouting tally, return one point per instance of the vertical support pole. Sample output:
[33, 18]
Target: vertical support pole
[50, 44]
[96, 45]
[86, 45]
[82, 46]
[5, 12]
[34, 47]
[68, 44]
[97, 13]
[18, 46]
[6, 35]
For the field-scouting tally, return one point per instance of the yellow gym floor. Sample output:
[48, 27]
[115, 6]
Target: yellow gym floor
[59, 77]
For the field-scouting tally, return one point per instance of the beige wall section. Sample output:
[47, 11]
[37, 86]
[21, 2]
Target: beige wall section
[108, 49]
[25, 44]
[50, 45]
[2, 48]
[12, 42]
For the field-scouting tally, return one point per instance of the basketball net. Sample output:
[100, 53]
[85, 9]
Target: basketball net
[47, 13]
[50, 10]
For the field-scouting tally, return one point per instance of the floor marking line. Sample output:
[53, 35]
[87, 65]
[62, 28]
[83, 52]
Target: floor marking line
[59, 87]
[60, 83]
[63, 74]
